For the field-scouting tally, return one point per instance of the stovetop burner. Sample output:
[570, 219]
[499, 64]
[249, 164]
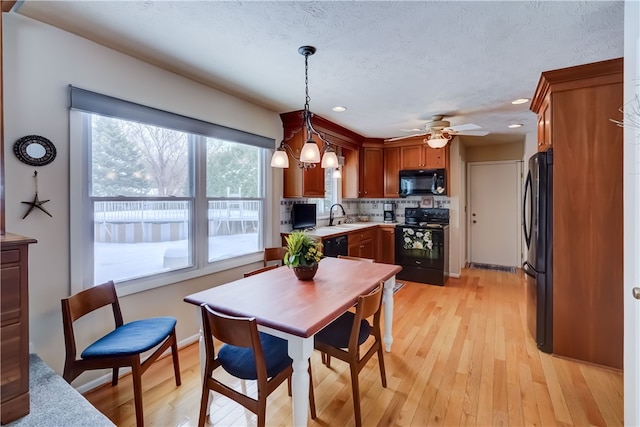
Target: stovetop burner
[426, 217]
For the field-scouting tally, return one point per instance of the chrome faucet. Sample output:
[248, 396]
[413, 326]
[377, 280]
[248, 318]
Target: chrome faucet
[331, 212]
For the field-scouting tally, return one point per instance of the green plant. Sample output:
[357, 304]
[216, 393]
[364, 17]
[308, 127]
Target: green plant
[302, 250]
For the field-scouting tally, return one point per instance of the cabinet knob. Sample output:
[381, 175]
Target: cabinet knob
[636, 293]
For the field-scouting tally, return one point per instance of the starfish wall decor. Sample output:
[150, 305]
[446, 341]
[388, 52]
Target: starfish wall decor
[36, 203]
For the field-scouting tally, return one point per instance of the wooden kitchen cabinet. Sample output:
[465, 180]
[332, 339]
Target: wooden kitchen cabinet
[362, 243]
[386, 244]
[391, 172]
[421, 156]
[574, 107]
[298, 182]
[544, 125]
[14, 335]
[372, 179]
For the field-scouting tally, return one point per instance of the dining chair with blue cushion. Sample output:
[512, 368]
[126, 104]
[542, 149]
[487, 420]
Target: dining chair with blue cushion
[343, 337]
[245, 354]
[122, 347]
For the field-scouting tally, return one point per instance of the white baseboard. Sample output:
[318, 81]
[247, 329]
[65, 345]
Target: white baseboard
[107, 378]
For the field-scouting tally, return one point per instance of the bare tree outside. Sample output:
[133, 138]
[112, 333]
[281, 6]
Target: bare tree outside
[165, 154]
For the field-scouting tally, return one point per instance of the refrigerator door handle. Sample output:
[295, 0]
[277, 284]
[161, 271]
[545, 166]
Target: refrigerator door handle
[527, 271]
[528, 190]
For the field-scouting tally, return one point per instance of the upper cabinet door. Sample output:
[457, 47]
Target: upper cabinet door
[436, 157]
[391, 172]
[412, 157]
[373, 175]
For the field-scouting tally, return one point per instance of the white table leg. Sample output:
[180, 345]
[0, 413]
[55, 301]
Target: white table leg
[300, 350]
[387, 300]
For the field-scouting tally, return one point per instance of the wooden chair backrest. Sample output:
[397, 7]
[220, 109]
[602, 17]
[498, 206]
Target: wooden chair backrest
[84, 302]
[355, 258]
[368, 305]
[260, 270]
[236, 331]
[274, 254]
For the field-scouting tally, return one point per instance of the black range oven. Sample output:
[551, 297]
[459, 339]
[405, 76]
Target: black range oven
[422, 245]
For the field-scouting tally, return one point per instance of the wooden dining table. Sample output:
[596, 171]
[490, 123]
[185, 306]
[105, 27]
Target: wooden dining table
[296, 310]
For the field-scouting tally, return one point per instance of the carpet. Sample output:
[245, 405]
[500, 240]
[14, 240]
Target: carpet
[397, 287]
[478, 266]
[53, 402]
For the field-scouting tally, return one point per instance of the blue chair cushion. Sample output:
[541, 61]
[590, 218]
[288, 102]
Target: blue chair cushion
[241, 363]
[131, 338]
[337, 333]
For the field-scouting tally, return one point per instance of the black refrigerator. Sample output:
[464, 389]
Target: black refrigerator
[537, 213]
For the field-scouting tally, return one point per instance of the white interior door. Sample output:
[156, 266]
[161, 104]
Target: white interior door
[631, 216]
[494, 213]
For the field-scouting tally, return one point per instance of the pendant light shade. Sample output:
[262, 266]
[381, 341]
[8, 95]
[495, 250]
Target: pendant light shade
[310, 152]
[280, 159]
[329, 160]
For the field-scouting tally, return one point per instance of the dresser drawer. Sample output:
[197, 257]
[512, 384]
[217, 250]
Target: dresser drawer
[10, 256]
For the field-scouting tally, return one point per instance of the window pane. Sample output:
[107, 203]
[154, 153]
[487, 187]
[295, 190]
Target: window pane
[235, 198]
[233, 170]
[137, 238]
[330, 193]
[134, 159]
[140, 238]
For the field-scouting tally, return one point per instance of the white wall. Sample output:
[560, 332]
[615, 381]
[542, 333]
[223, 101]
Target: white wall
[456, 208]
[40, 62]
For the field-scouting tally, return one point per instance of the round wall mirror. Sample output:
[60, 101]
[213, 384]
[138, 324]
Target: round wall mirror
[34, 150]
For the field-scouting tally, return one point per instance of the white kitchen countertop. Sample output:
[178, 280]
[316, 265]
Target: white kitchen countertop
[336, 230]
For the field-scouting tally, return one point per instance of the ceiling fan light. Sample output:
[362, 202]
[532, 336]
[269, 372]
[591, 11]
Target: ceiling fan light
[310, 152]
[280, 159]
[329, 160]
[436, 142]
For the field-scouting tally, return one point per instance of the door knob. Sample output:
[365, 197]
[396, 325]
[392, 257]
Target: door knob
[636, 293]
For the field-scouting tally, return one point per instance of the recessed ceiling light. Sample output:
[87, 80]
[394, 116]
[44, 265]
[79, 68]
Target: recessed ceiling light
[515, 125]
[339, 109]
[520, 101]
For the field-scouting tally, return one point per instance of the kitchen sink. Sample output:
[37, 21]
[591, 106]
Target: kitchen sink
[353, 226]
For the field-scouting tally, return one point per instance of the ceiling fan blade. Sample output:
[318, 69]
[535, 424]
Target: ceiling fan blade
[398, 138]
[471, 133]
[468, 126]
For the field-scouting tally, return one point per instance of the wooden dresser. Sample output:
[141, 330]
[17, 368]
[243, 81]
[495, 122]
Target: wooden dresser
[14, 336]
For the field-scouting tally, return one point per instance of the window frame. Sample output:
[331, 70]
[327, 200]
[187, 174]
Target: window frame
[82, 204]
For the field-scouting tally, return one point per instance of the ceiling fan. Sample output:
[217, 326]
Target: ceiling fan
[440, 131]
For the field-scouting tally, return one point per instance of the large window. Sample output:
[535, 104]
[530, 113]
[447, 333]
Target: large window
[162, 199]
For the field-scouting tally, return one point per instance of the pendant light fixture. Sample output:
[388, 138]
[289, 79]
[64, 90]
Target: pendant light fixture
[310, 154]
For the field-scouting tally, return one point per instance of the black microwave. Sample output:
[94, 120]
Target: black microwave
[422, 182]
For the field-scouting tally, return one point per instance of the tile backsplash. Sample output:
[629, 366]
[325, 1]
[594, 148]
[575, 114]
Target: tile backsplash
[355, 207]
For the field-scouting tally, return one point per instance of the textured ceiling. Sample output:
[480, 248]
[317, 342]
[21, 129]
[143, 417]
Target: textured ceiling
[392, 64]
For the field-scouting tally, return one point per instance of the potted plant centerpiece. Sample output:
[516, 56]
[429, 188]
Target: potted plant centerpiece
[303, 254]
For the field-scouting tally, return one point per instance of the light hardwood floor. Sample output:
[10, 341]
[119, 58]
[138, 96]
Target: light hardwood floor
[462, 355]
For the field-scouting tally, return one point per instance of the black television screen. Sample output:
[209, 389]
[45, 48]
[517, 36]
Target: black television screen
[303, 215]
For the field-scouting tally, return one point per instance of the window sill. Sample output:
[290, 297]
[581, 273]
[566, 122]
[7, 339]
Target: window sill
[177, 276]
